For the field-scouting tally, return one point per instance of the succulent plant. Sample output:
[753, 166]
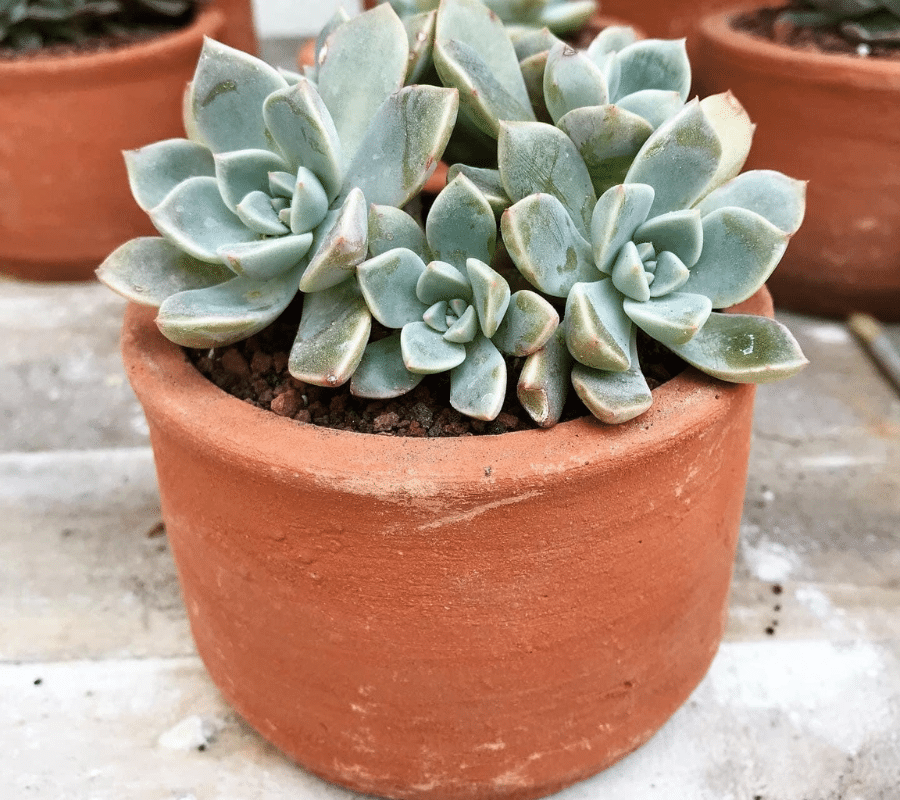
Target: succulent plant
[269, 193]
[30, 24]
[869, 21]
[683, 234]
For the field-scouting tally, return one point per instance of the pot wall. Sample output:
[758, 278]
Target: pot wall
[480, 617]
[66, 201]
[834, 121]
[664, 19]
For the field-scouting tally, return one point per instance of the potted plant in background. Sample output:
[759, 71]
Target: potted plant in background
[410, 611]
[70, 103]
[842, 106]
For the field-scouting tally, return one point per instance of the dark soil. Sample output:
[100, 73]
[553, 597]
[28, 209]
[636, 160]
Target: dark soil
[763, 23]
[255, 371]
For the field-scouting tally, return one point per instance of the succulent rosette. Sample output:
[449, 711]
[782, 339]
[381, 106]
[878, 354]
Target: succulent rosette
[863, 21]
[269, 192]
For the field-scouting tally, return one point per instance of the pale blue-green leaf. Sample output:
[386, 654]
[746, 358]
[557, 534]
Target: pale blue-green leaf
[458, 306]
[735, 133]
[528, 323]
[226, 313]
[266, 258]
[291, 77]
[678, 160]
[613, 397]
[545, 379]
[187, 115]
[154, 170]
[597, 329]
[572, 80]
[281, 184]
[461, 224]
[478, 384]
[391, 227]
[442, 281]
[778, 198]
[227, 96]
[337, 19]
[420, 36]
[673, 319]
[365, 63]
[149, 269]
[487, 181]
[437, 317]
[306, 133]
[670, 274]
[464, 329]
[194, 217]
[654, 64]
[608, 138]
[533, 70]
[533, 41]
[744, 349]
[611, 39]
[245, 171]
[679, 232]
[654, 105]
[490, 295]
[619, 212]
[403, 144]
[381, 373]
[567, 17]
[339, 251]
[628, 274]
[534, 157]
[545, 245]
[426, 352]
[309, 203]
[330, 342]
[740, 250]
[257, 213]
[388, 283]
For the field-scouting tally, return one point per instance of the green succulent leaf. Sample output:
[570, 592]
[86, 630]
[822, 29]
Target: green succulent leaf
[734, 132]
[611, 39]
[461, 224]
[779, 199]
[740, 250]
[619, 212]
[656, 106]
[488, 183]
[569, 16]
[613, 397]
[528, 324]
[534, 41]
[679, 232]
[420, 36]
[388, 283]
[572, 80]
[546, 246]
[154, 170]
[330, 342]
[545, 379]
[258, 214]
[244, 171]
[309, 202]
[266, 258]
[478, 384]
[337, 19]
[442, 281]
[381, 373]
[670, 274]
[149, 269]
[533, 70]
[654, 64]
[464, 329]
[341, 249]
[426, 352]
[673, 319]
[628, 274]
[227, 96]
[597, 329]
[744, 349]
[490, 295]
[390, 228]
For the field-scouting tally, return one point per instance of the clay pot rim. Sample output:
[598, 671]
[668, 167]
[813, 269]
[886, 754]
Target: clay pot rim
[125, 62]
[760, 55]
[171, 389]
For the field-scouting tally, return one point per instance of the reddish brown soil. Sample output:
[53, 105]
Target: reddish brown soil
[762, 22]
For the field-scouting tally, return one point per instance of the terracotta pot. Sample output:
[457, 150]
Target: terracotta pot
[834, 121]
[239, 29]
[664, 19]
[66, 202]
[478, 617]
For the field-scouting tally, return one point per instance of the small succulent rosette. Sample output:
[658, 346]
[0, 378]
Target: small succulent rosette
[860, 21]
[682, 235]
[269, 193]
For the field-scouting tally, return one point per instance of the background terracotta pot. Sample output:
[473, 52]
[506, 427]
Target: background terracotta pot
[238, 29]
[664, 19]
[479, 617]
[834, 121]
[65, 198]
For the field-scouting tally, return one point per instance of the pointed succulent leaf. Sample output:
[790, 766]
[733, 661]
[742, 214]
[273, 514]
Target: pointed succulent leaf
[670, 274]
[490, 295]
[568, 17]
[390, 228]
[403, 144]
[654, 105]
[613, 397]
[365, 63]
[187, 115]
[154, 170]
[194, 217]
[488, 183]
[544, 380]
[734, 131]
[309, 203]
[461, 224]
[337, 19]
[678, 160]
[257, 213]
[611, 40]
[572, 80]
[420, 36]
[534, 41]
[381, 373]
[533, 71]
[226, 313]
[778, 198]
[281, 184]
[149, 269]
[266, 258]
[673, 319]
[465, 328]
[546, 246]
[740, 250]
[597, 329]
[332, 336]
[528, 324]
[426, 352]
[619, 212]
[535, 157]
[442, 281]
[341, 249]
[388, 283]
[743, 349]
[654, 64]
[628, 274]
[436, 316]
[305, 132]
[244, 171]
[679, 232]
[478, 384]
[227, 96]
